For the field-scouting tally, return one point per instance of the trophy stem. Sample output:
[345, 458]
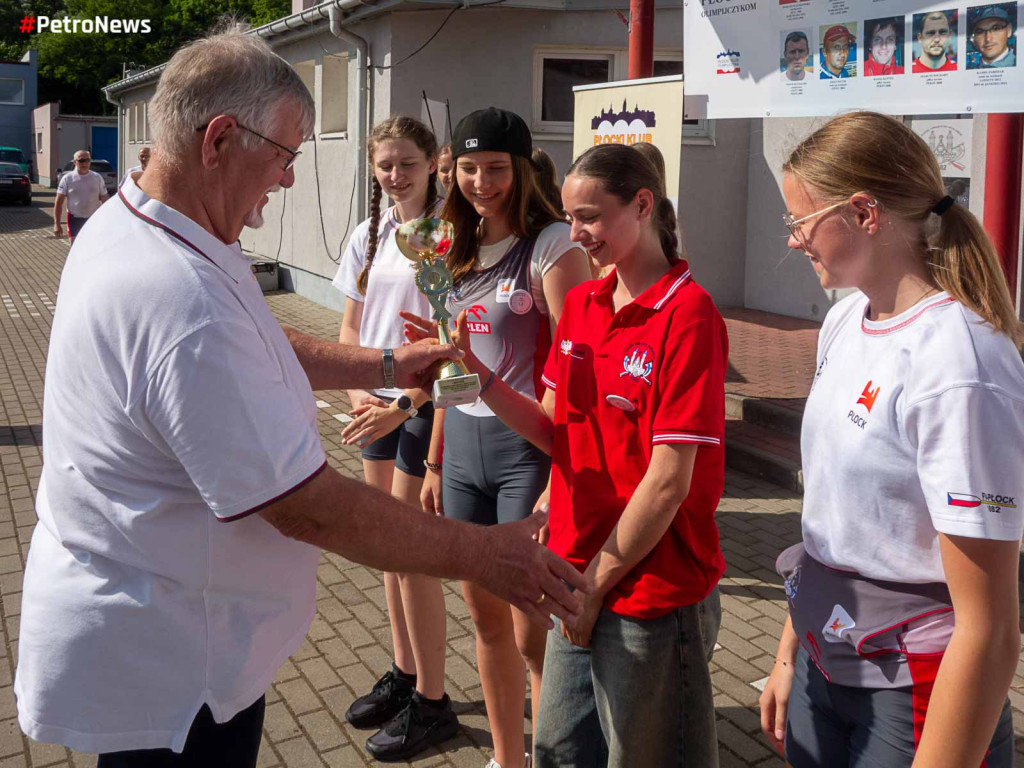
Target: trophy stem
[452, 367]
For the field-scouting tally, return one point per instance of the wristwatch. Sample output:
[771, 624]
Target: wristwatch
[388, 363]
[404, 403]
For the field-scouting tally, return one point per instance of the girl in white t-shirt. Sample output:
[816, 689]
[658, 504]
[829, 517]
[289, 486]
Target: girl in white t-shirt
[902, 637]
[512, 262]
[393, 428]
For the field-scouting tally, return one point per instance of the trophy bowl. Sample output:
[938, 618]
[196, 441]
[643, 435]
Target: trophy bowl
[425, 238]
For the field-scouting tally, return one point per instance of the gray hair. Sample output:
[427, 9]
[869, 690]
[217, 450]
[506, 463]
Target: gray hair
[230, 73]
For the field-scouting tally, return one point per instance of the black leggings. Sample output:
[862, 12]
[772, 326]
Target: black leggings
[234, 744]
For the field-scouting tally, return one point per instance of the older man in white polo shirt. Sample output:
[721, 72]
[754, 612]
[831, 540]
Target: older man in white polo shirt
[84, 191]
[185, 493]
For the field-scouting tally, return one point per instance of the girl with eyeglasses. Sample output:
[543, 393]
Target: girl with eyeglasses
[902, 637]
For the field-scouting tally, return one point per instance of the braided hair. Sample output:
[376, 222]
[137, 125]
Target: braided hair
[400, 127]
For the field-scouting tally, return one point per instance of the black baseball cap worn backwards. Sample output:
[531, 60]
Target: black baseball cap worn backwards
[492, 130]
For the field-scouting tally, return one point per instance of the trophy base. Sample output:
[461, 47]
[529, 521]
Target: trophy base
[456, 390]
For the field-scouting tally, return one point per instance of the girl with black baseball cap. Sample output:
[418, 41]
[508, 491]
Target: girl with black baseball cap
[513, 263]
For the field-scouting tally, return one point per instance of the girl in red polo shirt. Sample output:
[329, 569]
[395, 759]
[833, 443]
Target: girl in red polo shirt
[633, 417]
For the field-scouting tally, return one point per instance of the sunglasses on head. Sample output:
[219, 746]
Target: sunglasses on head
[84, 160]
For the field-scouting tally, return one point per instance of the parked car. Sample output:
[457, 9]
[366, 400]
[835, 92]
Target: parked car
[102, 167]
[15, 184]
[16, 156]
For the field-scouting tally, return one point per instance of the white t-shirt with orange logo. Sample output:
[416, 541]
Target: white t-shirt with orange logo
[914, 427]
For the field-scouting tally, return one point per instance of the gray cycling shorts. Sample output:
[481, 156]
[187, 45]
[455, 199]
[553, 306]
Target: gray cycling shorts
[491, 474]
[839, 725]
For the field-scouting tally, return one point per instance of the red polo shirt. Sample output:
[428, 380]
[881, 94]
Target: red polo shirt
[652, 373]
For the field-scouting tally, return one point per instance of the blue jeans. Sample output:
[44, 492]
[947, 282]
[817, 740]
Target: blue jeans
[639, 696]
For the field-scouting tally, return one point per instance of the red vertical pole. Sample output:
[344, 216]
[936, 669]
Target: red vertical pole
[641, 38]
[1004, 152]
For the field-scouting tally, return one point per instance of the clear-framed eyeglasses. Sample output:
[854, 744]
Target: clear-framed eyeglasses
[793, 225]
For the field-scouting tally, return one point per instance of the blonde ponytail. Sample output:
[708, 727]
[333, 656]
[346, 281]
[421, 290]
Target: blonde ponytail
[877, 154]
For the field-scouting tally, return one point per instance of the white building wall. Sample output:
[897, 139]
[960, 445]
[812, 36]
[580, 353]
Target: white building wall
[778, 280]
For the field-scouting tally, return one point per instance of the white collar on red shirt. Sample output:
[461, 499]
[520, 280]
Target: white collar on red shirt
[228, 258]
[655, 297]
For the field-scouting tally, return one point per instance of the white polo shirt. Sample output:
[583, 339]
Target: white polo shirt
[914, 427]
[83, 192]
[174, 408]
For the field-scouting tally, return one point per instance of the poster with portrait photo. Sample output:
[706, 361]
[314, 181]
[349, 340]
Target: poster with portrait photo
[992, 36]
[837, 54]
[884, 46]
[900, 57]
[795, 61]
[935, 42]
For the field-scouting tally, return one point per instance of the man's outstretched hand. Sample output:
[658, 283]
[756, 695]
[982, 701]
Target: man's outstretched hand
[415, 363]
[518, 569]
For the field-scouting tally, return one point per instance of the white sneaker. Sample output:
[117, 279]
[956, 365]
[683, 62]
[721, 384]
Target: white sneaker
[492, 763]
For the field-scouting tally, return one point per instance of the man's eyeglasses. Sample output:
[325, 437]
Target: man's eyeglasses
[83, 160]
[793, 225]
[980, 32]
[291, 155]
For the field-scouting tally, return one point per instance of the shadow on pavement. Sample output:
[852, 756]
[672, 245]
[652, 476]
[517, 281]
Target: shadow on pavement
[21, 434]
[15, 217]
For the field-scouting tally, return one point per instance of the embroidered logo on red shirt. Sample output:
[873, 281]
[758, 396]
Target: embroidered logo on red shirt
[565, 347]
[638, 364]
[868, 396]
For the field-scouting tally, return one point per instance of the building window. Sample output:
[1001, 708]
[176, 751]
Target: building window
[666, 67]
[145, 121]
[703, 130]
[39, 142]
[557, 70]
[555, 74]
[560, 75]
[332, 106]
[12, 90]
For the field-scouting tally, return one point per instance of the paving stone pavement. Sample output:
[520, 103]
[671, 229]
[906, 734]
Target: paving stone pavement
[349, 643]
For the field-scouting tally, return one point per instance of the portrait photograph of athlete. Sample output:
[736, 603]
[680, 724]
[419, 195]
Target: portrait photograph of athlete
[795, 55]
[513, 263]
[883, 40]
[392, 426]
[935, 42]
[902, 637]
[636, 371]
[991, 43]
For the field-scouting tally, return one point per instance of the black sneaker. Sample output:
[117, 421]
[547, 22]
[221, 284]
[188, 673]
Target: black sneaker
[420, 725]
[388, 697]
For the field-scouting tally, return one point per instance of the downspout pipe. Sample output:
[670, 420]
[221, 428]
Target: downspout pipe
[359, 135]
[120, 135]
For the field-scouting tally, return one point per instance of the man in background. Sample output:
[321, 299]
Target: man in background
[84, 191]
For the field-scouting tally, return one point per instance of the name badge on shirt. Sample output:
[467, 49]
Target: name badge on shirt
[621, 403]
[505, 289]
[520, 302]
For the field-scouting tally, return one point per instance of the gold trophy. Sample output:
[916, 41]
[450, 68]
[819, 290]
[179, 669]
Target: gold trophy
[425, 242]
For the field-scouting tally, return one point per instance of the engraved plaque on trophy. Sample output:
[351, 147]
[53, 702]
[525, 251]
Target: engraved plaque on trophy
[425, 242]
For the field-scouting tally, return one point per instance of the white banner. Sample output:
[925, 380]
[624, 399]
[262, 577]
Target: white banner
[807, 58]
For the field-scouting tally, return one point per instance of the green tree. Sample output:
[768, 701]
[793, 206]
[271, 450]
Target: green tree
[73, 67]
